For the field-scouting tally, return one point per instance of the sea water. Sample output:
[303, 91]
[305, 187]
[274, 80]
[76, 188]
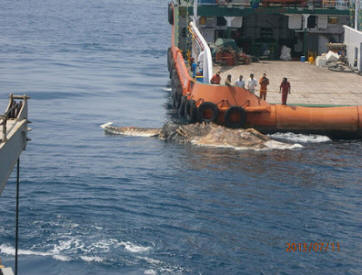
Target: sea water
[93, 203]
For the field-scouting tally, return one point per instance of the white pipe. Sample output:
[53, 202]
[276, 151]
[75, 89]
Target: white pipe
[195, 12]
[207, 64]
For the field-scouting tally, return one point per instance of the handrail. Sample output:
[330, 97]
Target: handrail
[207, 58]
[324, 4]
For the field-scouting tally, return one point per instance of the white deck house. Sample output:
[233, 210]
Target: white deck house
[353, 41]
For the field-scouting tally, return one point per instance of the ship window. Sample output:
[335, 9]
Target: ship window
[332, 20]
[311, 22]
[355, 57]
[220, 21]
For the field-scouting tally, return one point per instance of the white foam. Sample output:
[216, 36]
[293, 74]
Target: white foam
[91, 259]
[62, 258]
[167, 89]
[150, 272]
[11, 251]
[134, 248]
[273, 144]
[150, 260]
[269, 145]
[301, 138]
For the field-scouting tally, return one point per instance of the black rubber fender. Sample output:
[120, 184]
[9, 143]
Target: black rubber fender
[174, 77]
[170, 14]
[240, 123]
[176, 99]
[207, 112]
[170, 62]
[190, 111]
[168, 59]
[181, 107]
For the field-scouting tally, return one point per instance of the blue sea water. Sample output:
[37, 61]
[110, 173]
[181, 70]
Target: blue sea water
[98, 204]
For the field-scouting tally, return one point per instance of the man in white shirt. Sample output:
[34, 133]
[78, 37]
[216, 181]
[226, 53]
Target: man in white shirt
[200, 60]
[252, 83]
[240, 83]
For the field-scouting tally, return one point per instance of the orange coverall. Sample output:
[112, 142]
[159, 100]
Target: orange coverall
[264, 82]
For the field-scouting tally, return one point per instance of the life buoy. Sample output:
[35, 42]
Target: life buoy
[235, 117]
[181, 107]
[207, 112]
[190, 110]
[170, 14]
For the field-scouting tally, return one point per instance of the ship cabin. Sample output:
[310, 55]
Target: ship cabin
[261, 28]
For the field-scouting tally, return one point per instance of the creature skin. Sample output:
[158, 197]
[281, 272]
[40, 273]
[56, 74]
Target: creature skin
[204, 134]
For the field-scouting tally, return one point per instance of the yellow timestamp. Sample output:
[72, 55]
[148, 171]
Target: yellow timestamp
[313, 247]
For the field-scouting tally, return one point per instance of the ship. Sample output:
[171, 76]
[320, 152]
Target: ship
[13, 141]
[13, 135]
[228, 36]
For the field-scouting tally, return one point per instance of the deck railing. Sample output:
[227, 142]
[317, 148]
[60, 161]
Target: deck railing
[321, 4]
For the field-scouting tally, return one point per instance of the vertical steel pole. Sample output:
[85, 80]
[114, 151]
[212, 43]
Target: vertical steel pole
[195, 12]
[17, 216]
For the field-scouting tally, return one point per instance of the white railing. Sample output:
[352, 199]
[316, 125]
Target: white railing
[203, 55]
[225, 3]
[338, 4]
[353, 41]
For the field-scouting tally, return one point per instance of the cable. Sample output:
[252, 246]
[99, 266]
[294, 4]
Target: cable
[17, 216]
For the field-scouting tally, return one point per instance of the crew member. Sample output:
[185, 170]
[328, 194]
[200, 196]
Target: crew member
[193, 68]
[285, 90]
[264, 82]
[252, 83]
[200, 60]
[216, 78]
[228, 81]
[240, 83]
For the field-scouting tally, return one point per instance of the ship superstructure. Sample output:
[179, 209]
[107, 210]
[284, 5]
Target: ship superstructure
[262, 28]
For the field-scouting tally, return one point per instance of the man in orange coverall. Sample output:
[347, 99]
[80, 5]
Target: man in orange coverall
[285, 90]
[216, 78]
[264, 82]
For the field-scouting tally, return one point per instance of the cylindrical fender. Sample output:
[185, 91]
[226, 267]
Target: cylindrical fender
[207, 112]
[169, 60]
[170, 14]
[190, 110]
[174, 77]
[235, 117]
[176, 99]
[181, 107]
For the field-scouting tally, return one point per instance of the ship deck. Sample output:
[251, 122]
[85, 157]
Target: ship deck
[310, 85]
[9, 127]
